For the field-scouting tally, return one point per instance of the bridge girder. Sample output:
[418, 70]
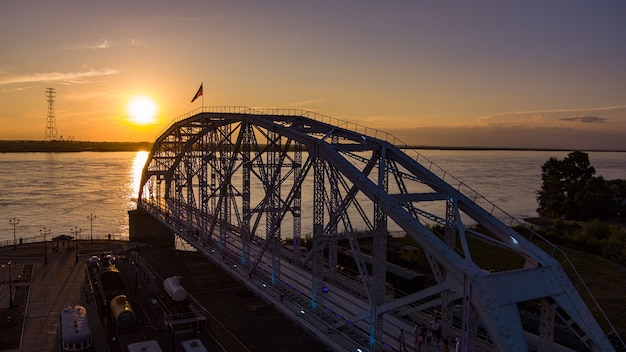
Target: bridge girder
[211, 172]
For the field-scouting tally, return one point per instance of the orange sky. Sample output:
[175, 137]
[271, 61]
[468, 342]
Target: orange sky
[527, 74]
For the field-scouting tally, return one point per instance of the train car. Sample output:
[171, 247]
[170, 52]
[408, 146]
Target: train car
[194, 345]
[122, 311]
[74, 332]
[110, 283]
[174, 289]
[145, 346]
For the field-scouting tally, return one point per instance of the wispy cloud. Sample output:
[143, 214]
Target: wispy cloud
[599, 115]
[304, 103]
[136, 43]
[102, 44]
[584, 119]
[60, 77]
[19, 89]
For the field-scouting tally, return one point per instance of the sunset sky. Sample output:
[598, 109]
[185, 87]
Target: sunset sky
[539, 74]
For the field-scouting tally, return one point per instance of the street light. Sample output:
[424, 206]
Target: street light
[14, 222]
[76, 230]
[91, 217]
[10, 282]
[45, 232]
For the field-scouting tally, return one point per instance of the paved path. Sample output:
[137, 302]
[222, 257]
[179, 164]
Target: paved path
[53, 286]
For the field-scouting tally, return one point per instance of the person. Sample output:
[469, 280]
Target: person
[436, 328]
[428, 339]
[402, 341]
[419, 339]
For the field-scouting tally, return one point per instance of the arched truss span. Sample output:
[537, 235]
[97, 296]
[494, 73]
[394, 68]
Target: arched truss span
[279, 190]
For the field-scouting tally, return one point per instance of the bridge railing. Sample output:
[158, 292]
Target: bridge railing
[350, 126]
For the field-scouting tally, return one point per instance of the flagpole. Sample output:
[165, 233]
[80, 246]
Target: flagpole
[202, 85]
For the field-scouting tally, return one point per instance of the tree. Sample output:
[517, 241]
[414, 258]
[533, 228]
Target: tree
[551, 196]
[562, 181]
[593, 201]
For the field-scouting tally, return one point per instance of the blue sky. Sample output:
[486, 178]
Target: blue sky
[539, 74]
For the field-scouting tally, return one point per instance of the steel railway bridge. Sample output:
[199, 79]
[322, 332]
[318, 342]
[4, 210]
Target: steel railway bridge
[275, 196]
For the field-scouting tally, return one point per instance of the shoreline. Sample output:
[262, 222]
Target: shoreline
[29, 146]
[40, 146]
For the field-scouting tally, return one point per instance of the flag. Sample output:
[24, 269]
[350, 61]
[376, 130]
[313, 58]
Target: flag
[198, 94]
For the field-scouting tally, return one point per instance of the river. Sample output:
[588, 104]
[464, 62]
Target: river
[55, 193]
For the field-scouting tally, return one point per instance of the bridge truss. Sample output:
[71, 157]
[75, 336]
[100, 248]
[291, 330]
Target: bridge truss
[280, 191]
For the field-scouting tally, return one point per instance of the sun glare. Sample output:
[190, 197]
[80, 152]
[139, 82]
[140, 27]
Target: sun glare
[142, 110]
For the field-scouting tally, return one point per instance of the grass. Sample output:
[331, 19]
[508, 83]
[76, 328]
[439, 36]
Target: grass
[607, 282]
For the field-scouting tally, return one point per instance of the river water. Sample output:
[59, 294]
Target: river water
[55, 193]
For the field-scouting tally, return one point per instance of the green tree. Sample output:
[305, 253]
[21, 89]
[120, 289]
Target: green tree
[562, 181]
[593, 201]
[551, 196]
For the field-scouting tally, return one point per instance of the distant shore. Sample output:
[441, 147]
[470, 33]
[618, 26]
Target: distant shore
[32, 146]
[423, 147]
[24, 146]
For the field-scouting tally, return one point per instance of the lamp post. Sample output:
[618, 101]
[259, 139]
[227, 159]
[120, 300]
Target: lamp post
[8, 263]
[45, 232]
[91, 217]
[14, 222]
[76, 230]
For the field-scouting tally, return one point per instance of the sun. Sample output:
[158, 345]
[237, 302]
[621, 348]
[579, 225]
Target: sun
[142, 110]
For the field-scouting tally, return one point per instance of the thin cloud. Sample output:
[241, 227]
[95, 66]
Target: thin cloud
[584, 119]
[132, 42]
[19, 89]
[60, 77]
[553, 117]
[102, 44]
[305, 103]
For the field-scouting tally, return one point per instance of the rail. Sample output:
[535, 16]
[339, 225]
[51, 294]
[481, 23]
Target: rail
[48, 239]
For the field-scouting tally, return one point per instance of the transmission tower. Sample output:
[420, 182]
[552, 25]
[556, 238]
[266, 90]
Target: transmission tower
[51, 122]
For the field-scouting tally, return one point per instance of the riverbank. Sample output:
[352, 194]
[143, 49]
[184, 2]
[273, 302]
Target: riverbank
[25, 146]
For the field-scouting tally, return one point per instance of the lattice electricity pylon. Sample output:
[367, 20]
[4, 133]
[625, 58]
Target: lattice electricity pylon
[234, 179]
[51, 122]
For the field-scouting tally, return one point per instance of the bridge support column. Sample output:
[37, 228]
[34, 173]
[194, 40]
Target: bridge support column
[546, 326]
[144, 227]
